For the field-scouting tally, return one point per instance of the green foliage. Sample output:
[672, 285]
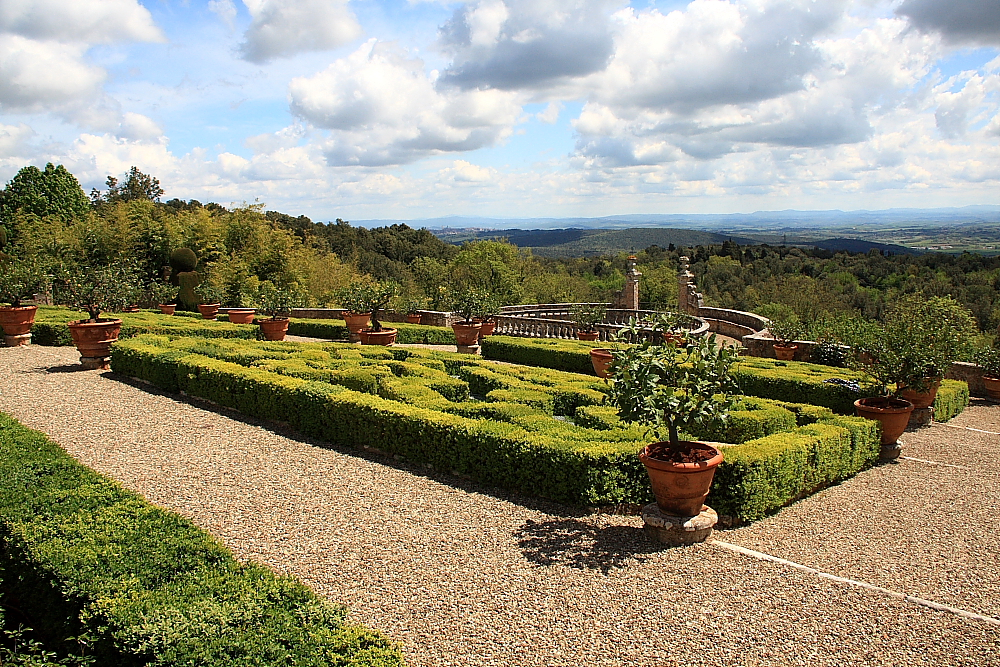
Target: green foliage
[405, 333]
[183, 259]
[87, 558]
[97, 289]
[502, 425]
[137, 186]
[276, 301]
[489, 267]
[32, 191]
[588, 316]
[158, 292]
[369, 297]
[786, 329]
[988, 359]
[20, 279]
[670, 388]
[208, 293]
[468, 302]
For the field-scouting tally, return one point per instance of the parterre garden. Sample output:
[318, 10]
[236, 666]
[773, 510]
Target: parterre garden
[528, 417]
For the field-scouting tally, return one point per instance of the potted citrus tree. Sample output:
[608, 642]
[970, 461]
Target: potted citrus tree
[467, 302]
[354, 300]
[376, 298]
[164, 295]
[785, 330]
[277, 304]
[20, 279]
[412, 305]
[486, 312]
[988, 360]
[209, 299]
[96, 290]
[670, 388]
[586, 317]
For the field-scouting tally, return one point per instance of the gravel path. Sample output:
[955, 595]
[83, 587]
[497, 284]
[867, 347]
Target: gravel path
[461, 576]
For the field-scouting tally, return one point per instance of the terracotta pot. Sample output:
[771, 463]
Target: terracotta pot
[241, 315]
[893, 413]
[356, 321]
[413, 318]
[487, 328]
[992, 389]
[785, 352]
[681, 488]
[923, 399]
[466, 333]
[600, 358]
[131, 309]
[383, 337]
[675, 338]
[168, 308]
[208, 310]
[94, 339]
[588, 335]
[17, 321]
[274, 329]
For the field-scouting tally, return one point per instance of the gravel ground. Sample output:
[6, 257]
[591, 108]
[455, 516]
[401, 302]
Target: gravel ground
[461, 576]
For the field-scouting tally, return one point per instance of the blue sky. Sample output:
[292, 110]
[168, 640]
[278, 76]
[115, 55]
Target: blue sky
[411, 109]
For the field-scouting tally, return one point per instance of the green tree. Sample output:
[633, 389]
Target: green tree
[137, 186]
[492, 266]
[32, 191]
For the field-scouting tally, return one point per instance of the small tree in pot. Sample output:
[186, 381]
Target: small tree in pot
[277, 303]
[786, 330]
[209, 299]
[587, 317]
[376, 298]
[354, 300]
[670, 388]
[988, 360]
[20, 279]
[164, 295]
[467, 303]
[96, 290]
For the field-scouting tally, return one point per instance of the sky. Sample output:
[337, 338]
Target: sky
[410, 109]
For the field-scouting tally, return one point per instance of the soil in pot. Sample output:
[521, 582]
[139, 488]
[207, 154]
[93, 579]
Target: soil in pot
[681, 475]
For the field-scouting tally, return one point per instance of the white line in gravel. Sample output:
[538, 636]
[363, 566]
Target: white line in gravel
[967, 428]
[860, 584]
[934, 463]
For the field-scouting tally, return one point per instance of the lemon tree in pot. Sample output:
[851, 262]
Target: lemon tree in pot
[354, 300]
[96, 290]
[785, 330]
[467, 302]
[988, 360]
[587, 316]
[671, 388]
[277, 303]
[374, 299]
[20, 279]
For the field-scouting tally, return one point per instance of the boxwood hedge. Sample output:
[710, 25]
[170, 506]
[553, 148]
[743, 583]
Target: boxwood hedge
[82, 556]
[532, 430]
[405, 333]
[792, 381]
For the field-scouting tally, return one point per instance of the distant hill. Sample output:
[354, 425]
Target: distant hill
[856, 245]
[583, 242]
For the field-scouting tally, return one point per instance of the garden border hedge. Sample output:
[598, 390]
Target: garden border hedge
[758, 480]
[84, 556]
[791, 381]
[405, 333]
[50, 326]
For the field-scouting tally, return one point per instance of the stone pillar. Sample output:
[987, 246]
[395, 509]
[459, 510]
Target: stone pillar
[631, 295]
[688, 299]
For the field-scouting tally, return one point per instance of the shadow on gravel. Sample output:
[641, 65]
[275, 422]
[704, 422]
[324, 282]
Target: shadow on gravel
[69, 368]
[583, 546]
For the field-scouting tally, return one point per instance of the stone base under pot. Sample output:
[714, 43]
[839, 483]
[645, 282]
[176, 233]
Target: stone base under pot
[921, 417]
[19, 339]
[468, 349]
[96, 363]
[675, 531]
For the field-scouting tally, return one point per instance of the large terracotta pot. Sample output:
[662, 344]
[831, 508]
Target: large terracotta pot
[922, 399]
[356, 321]
[413, 318]
[168, 308]
[785, 352]
[588, 335]
[241, 315]
[893, 413]
[466, 333]
[992, 389]
[208, 310]
[17, 321]
[487, 328]
[681, 488]
[383, 337]
[274, 329]
[94, 339]
[600, 358]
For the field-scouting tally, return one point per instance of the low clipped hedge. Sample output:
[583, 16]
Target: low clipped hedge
[82, 556]
[532, 430]
[791, 381]
[50, 326]
[405, 333]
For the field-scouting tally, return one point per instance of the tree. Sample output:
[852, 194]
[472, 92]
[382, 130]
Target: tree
[137, 186]
[52, 192]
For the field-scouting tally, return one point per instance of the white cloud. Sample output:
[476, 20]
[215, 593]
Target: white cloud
[35, 75]
[286, 27]
[225, 10]
[79, 21]
[14, 140]
[551, 113]
[383, 109]
[468, 173]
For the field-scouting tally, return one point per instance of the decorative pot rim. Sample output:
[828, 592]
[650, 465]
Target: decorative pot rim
[385, 330]
[789, 346]
[700, 466]
[600, 352]
[272, 319]
[471, 325]
[16, 308]
[896, 405]
[992, 378]
[88, 323]
[241, 310]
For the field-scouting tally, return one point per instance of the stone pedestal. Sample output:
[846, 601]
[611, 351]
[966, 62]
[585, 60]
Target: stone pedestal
[921, 417]
[468, 349]
[674, 530]
[14, 341]
[890, 452]
[96, 363]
